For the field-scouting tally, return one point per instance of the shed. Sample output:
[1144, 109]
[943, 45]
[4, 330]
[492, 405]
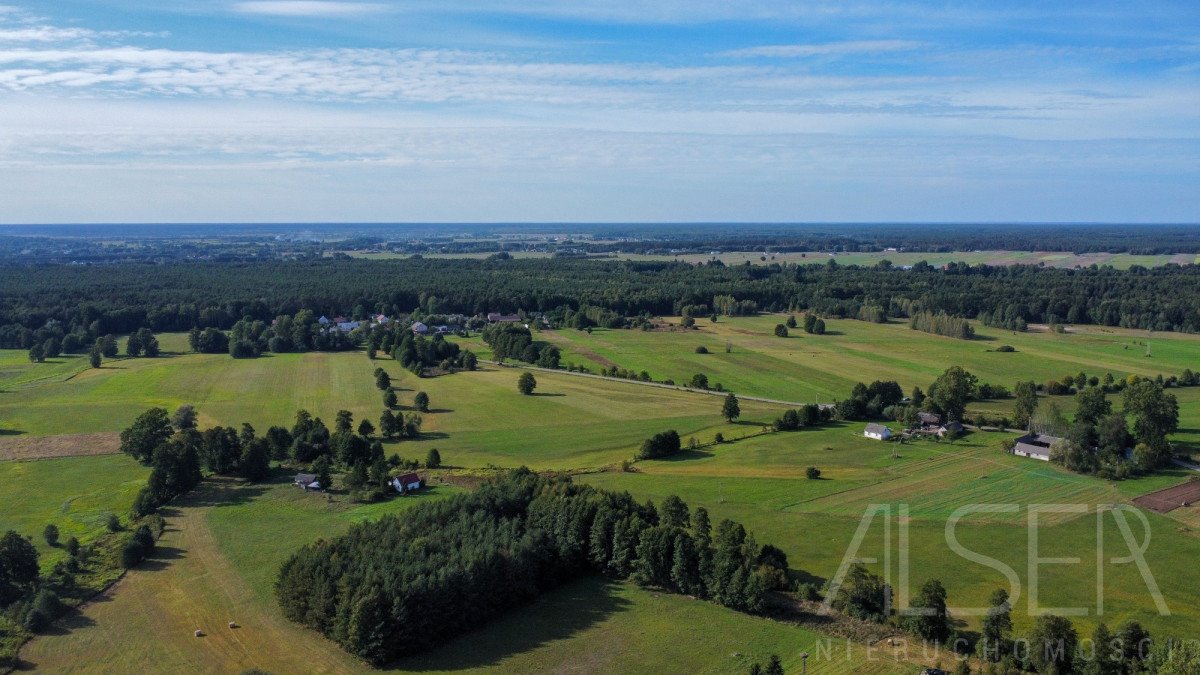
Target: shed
[307, 481]
[878, 432]
[1035, 446]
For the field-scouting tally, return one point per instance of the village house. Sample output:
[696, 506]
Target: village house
[307, 481]
[407, 483]
[494, 317]
[929, 419]
[950, 429]
[878, 432]
[419, 328]
[347, 326]
[324, 320]
[1035, 446]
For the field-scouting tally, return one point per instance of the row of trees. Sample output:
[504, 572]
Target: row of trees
[400, 585]
[941, 323]
[1052, 645]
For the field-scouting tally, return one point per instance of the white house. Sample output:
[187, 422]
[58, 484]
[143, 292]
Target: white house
[878, 432]
[407, 483]
[1035, 446]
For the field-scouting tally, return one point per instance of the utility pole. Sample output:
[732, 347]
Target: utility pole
[804, 663]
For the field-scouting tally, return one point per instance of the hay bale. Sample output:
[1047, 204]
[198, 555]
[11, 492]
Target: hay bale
[233, 624]
[199, 633]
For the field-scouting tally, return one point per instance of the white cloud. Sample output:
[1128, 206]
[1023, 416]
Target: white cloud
[825, 49]
[308, 8]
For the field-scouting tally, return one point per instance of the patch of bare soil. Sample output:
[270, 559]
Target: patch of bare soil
[64, 445]
[1169, 499]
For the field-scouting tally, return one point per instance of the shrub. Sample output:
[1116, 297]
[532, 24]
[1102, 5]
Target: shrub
[701, 349]
[812, 472]
[1006, 349]
[50, 534]
[781, 330]
[132, 554]
[660, 445]
[113, 523]
[719, 438]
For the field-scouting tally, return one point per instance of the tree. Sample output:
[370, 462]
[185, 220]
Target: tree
[932, 622]
[819, 327]
[150, 430]
[433, 460]
[387, 424]
[526, 383]
[94, 356]
[321, 468]
[184, 417]
[731, 410]
[255, 463]
[791, 321]
[673, 512]
[810, 323]
[1092, 404]
[1103, 660]
[660, 445]
[1025, 405]
[1155, 413]
[389, 399]
[781, 330]
[1052, 645]
[774, 666]
[50, 534]
[951, 391]
[383, 380]
[699, 381]
[421, 402]
[37, 354]
[343, 422]
[1049, 420]
[997, 627]
[18, 559]
[365, 428]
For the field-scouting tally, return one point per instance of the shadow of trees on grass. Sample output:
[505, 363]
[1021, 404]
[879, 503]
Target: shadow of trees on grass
[557, 615]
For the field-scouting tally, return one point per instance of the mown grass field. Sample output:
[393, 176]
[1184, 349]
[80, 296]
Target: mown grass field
[75, 494]
[224, 545]
[476, 418]
[804, 367]
[216, 564]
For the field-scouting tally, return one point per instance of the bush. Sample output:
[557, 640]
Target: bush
[72, 545]
[113, 523]
[50, 534]
[660, 445]
[701, 349]
[132, 554]
[719, 438]
[145, 538]
[781, 330]
[1006, 349]
[812, 472]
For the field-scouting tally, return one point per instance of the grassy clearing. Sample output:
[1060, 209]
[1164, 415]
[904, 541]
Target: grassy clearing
[477, 418]
[75, 494]
[814, 521]
[217, 561]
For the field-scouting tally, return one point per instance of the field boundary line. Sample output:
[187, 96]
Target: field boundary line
[660, 385]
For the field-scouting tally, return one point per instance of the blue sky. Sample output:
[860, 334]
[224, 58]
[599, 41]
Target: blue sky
[599, 110]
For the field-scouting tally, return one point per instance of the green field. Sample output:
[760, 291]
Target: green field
[225, 543]
[804, 367]
[75, 494]
[217, 562]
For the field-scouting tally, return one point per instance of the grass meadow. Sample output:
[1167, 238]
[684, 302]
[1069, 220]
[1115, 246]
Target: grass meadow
[224, 543]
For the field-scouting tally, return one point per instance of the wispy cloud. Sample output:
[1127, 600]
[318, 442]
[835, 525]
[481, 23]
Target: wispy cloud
[308, 8]
[826, 49]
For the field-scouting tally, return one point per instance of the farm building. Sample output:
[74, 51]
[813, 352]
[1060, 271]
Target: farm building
[878, 432]
[407, 483]
[307, 481]
[950, 429]
[419, 328]
[494, 317]
[929, 419]
[1035, 446]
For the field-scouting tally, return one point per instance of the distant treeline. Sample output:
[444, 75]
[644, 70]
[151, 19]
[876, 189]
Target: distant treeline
[399, 585]
[182, 296]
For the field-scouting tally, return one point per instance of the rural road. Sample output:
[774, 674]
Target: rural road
[710, 392]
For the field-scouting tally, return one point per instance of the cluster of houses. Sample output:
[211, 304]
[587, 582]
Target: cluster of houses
[404, 484]
[928, 424]
[345, 325]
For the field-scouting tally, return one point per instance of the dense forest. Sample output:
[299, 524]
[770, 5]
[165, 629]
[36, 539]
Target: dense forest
[182, 296]
[399, 585]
